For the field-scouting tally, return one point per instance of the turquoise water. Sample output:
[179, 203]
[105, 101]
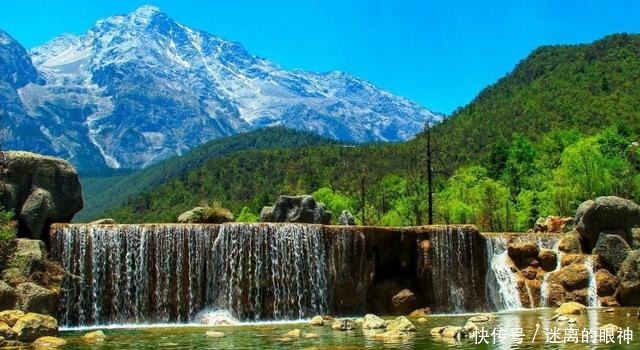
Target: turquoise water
[270, 336]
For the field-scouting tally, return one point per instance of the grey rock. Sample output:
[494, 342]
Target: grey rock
[41, 190]
[301, 209]
[343, 325]
[34, 298]
[266, 214]
[346, 218]
[204, 215]
[612, 248]
[606, 214]
[628, 293]
[27, 256]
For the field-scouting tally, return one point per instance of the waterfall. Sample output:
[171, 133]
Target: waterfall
[458, 270]
[134, 273]
[501, 283]
[544, 286]
[592, 297]
[169, 273]
[270, 271]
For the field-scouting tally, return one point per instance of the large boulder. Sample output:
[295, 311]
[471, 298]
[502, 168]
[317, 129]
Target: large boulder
[40, 190]
[303, 209]
[26, 257]
[629, 276]
[34, 298]
[572, 277]
[613, 249]
[206, 215]
[522, 253]
[548, 259]
[606, 214]
[606, 283]
[10, 317]
[570, 244]
[33, 326]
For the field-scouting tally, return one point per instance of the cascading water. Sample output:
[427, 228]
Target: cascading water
[169, 273]
[592, 296]
[269, 271]
[544, 286]
[137, 274]
[501, 282]
[458, 270]
[502, 292]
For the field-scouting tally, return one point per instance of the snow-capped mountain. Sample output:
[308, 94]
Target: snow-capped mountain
[141, 87]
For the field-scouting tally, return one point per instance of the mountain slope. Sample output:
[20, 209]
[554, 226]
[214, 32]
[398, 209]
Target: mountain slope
[16, 71]
[139, 88]
[104, 193]
[584, 87]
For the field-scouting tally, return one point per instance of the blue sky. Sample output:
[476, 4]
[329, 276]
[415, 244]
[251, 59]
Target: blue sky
[437, 53]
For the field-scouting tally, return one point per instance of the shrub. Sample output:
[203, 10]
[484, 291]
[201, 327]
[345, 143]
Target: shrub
[247, 216]
[214, 213]
[8, 226]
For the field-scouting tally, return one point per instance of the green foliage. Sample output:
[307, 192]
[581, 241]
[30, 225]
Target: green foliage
[247, 216]
[471, 197]
[105, 193]
[335, 201]
[7, 226]
[568, 87]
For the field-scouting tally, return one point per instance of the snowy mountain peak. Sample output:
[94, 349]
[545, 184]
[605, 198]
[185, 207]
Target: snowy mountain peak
[145, 11]
[140, 87]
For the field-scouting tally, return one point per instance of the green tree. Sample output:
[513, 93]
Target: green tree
[519, 165]
[335, 201]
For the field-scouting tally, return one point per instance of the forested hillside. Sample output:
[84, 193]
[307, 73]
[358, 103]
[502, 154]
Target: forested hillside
[557, 130]
[105, 192]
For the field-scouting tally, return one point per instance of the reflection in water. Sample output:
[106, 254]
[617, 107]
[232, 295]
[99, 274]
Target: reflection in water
[269, 336]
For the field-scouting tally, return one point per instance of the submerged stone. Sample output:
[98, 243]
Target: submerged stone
[295, 333]
[214, 334]
[391, 335]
